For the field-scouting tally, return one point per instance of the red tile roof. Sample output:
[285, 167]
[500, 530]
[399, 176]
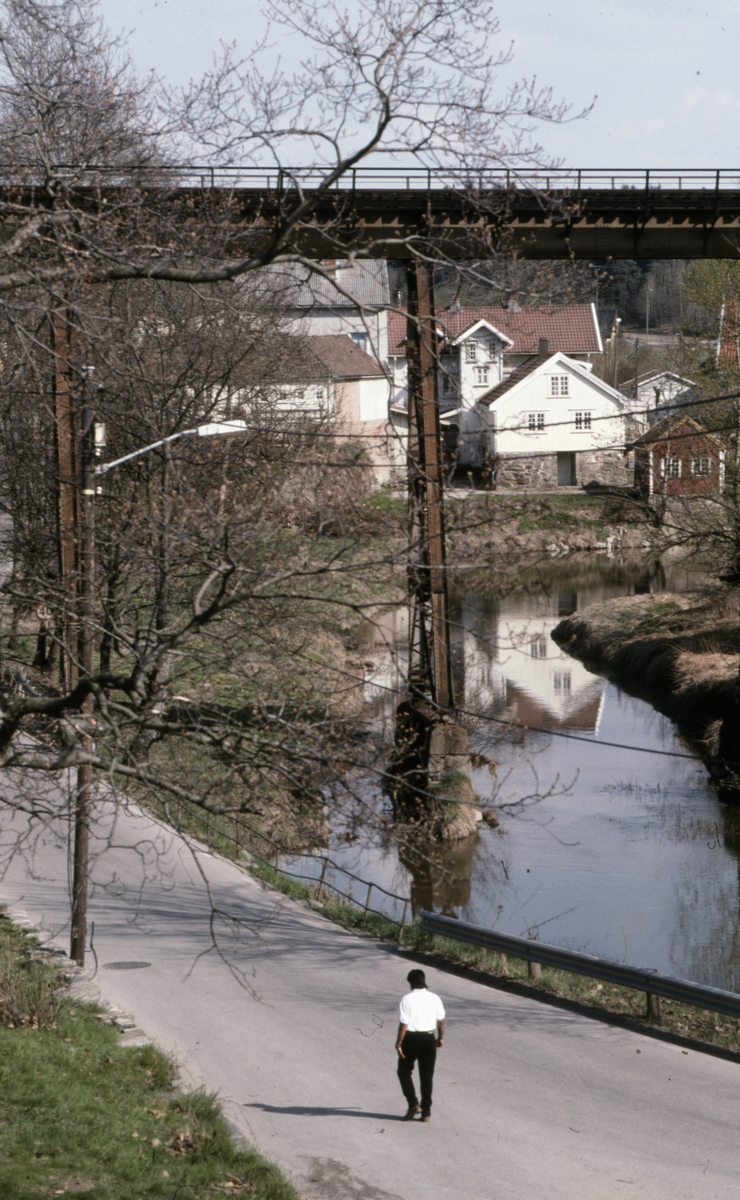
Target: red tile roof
[570, 328]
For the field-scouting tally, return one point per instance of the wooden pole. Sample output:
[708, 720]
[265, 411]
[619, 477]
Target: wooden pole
[430, 626]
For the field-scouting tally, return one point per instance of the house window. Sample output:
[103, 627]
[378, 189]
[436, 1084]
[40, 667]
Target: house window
[446, 384]
[538, 647]
[582, 420]
[491, 349]
[535, 422]
[471, 351]
[700, 466]
[320, 394]
[558, 385]
[361, 339]
[670, 468]
[481, 374]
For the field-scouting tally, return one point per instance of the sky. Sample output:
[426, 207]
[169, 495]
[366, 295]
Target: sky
[664, 72]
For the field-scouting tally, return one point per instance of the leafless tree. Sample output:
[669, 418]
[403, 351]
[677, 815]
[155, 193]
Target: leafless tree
[211, 612]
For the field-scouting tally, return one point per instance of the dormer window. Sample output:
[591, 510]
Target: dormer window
[471, 351]
[491, 349]
[558, 385]
[481, 374]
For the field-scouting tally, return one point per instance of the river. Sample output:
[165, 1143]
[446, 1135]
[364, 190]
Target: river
[610, 839]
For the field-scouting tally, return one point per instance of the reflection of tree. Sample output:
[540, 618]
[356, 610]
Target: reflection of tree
[440, 876]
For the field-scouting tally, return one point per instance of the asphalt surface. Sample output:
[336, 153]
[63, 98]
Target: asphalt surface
[292, 1021]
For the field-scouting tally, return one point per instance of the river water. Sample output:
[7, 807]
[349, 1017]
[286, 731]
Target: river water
[610, 839]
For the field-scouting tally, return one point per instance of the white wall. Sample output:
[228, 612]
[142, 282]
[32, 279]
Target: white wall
[560, 433]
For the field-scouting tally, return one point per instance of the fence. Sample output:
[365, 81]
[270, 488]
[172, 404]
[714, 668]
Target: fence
[323, 875]
[412, 178]
[642, 979]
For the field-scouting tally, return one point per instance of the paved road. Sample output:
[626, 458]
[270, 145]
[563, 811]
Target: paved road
[531, 1101]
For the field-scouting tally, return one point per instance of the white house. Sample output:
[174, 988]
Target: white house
[479, 348]
[329, 377]
[656, 392]
[552, 423]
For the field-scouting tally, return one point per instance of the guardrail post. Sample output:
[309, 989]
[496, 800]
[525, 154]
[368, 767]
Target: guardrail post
[236, 839]
[367, 902]
[403, 921]
[321, 881]
[534, 968]
[653, 1007]
[277, 859]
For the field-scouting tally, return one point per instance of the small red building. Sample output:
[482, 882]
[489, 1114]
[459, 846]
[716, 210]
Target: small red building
[676, 457]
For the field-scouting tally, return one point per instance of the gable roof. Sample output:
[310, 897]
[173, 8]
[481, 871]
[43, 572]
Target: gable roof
[534, 366]
[340, 356]
[570, 328]
[669, 427]
[475, 325]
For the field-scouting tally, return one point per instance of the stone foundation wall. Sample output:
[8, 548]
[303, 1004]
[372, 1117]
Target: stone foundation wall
[540, 471]
[605, 466]
[527, 471]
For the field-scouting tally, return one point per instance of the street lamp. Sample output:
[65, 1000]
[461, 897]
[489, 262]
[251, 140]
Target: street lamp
[92, 444]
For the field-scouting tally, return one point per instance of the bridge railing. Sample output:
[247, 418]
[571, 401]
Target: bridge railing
[399, 178]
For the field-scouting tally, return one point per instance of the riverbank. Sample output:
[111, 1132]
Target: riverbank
[678, 652]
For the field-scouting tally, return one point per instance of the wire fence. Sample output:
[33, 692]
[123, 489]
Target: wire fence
[322, 872]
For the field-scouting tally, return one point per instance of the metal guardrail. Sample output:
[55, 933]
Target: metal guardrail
[642, 979]
[413, 178]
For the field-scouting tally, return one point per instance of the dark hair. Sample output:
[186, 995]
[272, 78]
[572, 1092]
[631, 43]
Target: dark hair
[417, 979]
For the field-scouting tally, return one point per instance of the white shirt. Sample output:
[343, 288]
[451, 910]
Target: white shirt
[421, 1010]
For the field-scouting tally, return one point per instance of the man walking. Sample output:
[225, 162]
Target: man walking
[421, 1032]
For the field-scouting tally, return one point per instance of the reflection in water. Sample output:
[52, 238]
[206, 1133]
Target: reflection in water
[637, 861]
[440, 877]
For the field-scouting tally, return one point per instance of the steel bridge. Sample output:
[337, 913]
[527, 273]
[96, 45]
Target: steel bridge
[548, 214]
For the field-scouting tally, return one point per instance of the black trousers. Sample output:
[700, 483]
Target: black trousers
[421, 1048]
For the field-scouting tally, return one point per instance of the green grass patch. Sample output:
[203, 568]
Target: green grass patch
[83, 1116]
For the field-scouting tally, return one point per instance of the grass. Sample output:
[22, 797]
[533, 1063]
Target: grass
[83, 1116]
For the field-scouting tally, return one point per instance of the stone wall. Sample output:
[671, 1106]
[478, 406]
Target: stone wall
[540, 471]
[527, 471]
[605, 466]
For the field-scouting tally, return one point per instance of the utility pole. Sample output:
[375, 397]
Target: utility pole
[430, 625]
[85, 654]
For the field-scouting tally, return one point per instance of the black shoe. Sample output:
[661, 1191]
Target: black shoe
[414, 1111]
[426, 1118]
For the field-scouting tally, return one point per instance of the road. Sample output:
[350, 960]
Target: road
[531, 1101]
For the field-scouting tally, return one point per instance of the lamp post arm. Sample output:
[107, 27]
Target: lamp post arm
[102, 468]
[215, 429]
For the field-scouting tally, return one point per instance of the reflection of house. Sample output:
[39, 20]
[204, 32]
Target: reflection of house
[545, 688]
[505, 661]
[555, 424]
[479, 348]
[677, 458]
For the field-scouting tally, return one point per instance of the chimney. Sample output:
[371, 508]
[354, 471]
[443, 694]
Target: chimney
[331, 265]
[513, 305]
[455, 306]
[544, 351]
